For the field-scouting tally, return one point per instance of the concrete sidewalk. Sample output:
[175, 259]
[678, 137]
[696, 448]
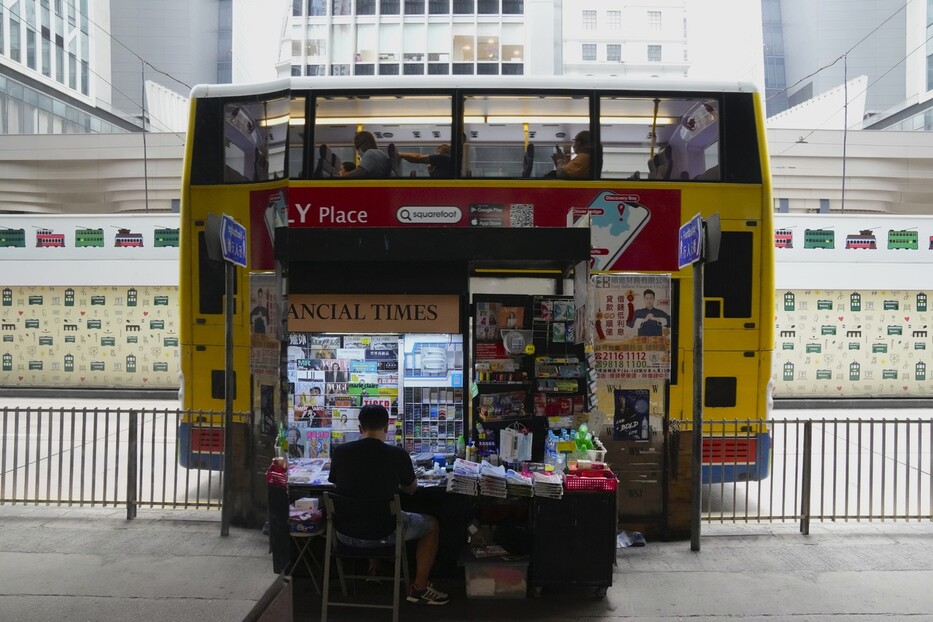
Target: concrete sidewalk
[92, 564]
[864, 572]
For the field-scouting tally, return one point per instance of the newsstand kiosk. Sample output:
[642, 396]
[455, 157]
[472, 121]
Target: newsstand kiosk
[433, 323]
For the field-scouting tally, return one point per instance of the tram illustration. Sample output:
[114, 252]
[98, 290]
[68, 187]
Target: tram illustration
[47, 238]
[126, 238]
[12, 237]
[903, 239]
[783, 238]
[819, 238]
[165, 236]
[86, 238]
[863, 239]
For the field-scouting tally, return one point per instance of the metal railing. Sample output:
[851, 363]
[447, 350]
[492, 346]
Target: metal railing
[828, 470]
[820, 469]
[107, 457]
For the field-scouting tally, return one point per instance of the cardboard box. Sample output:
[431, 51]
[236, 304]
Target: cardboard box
[497, 577]
[640, 493]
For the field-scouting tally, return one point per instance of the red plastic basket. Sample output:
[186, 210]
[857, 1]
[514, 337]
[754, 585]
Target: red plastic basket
[605, 481]
[276, 475]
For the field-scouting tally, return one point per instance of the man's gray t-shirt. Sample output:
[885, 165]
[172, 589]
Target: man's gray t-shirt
[376, 164]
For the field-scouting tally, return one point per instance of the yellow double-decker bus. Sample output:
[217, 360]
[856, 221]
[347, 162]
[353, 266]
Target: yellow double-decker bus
[269, 155]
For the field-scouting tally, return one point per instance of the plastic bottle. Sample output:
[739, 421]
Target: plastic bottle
[644, 428]
[461, 446]
[282, 442]
[550, 448]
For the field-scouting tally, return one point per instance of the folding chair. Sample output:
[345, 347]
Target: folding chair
[341, 514]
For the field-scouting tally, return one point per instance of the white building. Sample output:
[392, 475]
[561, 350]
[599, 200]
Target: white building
[79, 66]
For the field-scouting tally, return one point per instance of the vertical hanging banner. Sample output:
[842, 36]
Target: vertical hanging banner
[631, 326]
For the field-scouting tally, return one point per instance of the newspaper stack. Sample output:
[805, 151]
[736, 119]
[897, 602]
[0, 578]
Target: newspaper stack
[519, 485]
[492, 481]
[464, 478]
[548, 485]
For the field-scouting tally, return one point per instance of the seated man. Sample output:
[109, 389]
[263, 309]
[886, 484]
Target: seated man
[374, 164]
[579, 166]
[371, 469]
[439, 162]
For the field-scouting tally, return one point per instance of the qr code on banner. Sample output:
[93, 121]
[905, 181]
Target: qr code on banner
[522, 215]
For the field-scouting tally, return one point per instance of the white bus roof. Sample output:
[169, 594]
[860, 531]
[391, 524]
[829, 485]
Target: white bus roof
[535, 83]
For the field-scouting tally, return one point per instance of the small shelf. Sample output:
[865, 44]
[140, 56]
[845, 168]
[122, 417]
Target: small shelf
[493, 385]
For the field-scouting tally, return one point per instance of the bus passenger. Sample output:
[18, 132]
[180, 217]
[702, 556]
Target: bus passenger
[439, 163]
[374, 164]
[579, 166]
[346, 167]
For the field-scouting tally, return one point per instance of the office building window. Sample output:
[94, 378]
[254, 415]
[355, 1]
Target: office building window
[783, 205]
[365, 69]
[463, 69]
[14, 40]
[365, 7]
[343, 7]
[297, 7]
[930, 72]
[654, 20]
[316, 47]
[414, 69]
[589, 20]
[464, 7]
[317, 7]
[296, 70]
[316, 70]
[414, 7]
[589, 51]
[654, 53]
[614, 52]
[487, 69]
[487, 7]
[824, 206]
[513, 69]
[341, 69]
[388, 69]
[438, 69]
[438, 7]
[389, 7]
[513, 7]
[614, 20]
[31, 48]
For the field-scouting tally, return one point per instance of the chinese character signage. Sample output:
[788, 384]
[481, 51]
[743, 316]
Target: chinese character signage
[632, 326]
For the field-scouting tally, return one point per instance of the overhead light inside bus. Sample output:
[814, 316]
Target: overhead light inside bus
[486, 120]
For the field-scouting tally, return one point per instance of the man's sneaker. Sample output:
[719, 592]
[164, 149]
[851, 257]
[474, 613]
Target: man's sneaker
[443, 595]
[427, 596]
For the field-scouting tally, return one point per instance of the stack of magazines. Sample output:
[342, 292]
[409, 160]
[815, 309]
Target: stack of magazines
[519, 485]
[492, 480]
[464, 478]
[548, 485]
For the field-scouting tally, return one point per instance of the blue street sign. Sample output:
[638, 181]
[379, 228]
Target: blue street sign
[233, 241]
[690, 246]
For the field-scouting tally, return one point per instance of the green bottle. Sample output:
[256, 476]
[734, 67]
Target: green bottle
[282, 441]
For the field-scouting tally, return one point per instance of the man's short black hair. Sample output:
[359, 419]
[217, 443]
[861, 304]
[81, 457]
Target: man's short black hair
[649, 291]
[374, 417]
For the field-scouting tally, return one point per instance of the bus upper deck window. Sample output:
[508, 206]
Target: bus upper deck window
[664, 139]
[406, 124]
[515, 136]
[255, 138]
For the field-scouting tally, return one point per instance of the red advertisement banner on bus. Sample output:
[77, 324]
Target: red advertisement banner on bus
[632, 230]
